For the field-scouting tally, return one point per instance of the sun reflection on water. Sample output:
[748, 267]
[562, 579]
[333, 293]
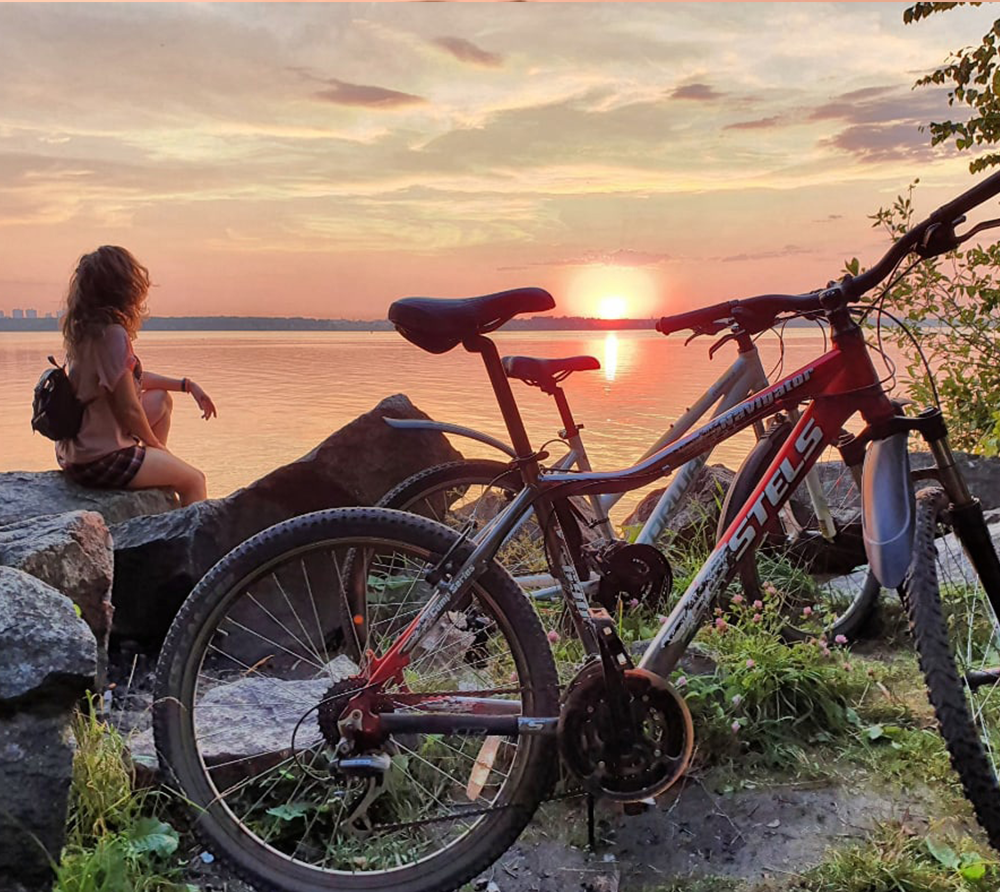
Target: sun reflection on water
[610, 363]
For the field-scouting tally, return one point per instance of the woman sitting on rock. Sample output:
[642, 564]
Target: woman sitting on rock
[122, 443]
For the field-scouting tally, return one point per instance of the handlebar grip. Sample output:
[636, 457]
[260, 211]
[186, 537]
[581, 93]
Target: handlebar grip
[696, 319]
[979, 193]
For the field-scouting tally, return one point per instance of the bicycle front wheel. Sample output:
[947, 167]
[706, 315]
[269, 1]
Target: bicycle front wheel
[957, 636]
[813, 568]
[251, 693]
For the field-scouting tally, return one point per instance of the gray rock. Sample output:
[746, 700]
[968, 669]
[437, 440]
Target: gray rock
[250, 722]
[25, 494]
[36, 766]
[159, 559]
[47, 661]
[48, 651]
[71, 552]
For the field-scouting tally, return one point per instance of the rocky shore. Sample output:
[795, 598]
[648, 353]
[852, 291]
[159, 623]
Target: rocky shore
[85, 574]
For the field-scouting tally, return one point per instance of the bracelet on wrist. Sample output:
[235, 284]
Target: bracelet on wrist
[184, 385]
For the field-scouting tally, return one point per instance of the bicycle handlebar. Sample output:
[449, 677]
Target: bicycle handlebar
[930, 237]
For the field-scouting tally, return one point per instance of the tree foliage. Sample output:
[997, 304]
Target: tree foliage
[950, 304]
[974, 77]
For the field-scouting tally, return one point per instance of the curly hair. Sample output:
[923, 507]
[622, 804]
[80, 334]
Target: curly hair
[108, 286]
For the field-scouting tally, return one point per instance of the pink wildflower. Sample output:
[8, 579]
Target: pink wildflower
[737, 599]
[721, 624]
[758, 604]
[633, 603]
[750, 664]
[682, 681]
[807, 611]
[736, 727]
[770, 589]
[662, 619]
[847, 667]
[737, 699]
[841, 639]
[757, 618]
[553, 636]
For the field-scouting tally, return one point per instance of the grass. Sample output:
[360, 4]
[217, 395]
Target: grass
[895, 859]
[116, 839]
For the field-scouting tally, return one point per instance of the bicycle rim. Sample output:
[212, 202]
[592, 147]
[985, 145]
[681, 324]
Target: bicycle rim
[257, 672]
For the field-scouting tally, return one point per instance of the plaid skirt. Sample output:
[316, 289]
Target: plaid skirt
[112, 471]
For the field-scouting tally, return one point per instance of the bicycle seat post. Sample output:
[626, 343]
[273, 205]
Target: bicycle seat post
[570, 427]
[508, 406]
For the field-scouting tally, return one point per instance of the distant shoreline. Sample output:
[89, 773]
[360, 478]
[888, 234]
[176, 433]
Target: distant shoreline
[301, 323]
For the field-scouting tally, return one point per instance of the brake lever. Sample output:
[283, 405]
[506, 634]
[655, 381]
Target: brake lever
[719, 343]
[979, 227]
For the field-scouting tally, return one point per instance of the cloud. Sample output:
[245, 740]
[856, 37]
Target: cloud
[621, 257]
[882, 105]
[871, 143]
[786, 251]
[343, 93]
[702, 92]
[466, 51]
[759, 124]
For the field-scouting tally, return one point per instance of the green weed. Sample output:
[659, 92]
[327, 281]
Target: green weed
[116, 839]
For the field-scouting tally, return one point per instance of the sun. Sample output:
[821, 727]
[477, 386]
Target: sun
[612, 306]
[609, 291]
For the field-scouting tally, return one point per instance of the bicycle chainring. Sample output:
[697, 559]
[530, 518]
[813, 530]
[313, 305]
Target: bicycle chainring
[633, 572]
[610, 764]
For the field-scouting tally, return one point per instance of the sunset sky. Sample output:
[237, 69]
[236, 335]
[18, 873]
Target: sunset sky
[325, 159]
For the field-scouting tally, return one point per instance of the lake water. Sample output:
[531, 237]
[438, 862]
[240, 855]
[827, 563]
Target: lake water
[280, 393]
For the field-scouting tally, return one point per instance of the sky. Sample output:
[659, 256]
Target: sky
[325, 159]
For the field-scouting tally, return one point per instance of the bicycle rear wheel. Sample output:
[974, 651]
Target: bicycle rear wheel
[957, 637]
[252, 686]
[821, 583]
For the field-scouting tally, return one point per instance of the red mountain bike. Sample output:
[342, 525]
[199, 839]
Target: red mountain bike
[362, 699]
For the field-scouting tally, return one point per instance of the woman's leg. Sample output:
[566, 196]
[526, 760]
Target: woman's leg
[161, 468]
[158, 404]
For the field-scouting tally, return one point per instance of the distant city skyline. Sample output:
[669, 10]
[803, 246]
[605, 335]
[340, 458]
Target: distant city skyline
[325, 159]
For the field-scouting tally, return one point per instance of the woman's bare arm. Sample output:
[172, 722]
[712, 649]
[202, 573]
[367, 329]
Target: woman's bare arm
[129, 413]
[152, 381]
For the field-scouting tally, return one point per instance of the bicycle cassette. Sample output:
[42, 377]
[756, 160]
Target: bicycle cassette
[644, 761]
[632, 572]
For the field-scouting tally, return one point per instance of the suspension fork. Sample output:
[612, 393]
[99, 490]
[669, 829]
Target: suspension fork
[967, 517]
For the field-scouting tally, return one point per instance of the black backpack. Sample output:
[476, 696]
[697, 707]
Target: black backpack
[56, 412]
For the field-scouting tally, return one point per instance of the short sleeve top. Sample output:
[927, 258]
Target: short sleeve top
[95, 370]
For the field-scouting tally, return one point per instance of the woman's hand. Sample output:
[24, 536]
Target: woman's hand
[203, 400]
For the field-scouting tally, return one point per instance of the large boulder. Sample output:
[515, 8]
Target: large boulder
[71, 552]
[695, 518]
[47, 662]
[25, 494]
[159, 559]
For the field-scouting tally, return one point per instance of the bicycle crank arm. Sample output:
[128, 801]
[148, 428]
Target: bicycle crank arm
[454, 723]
